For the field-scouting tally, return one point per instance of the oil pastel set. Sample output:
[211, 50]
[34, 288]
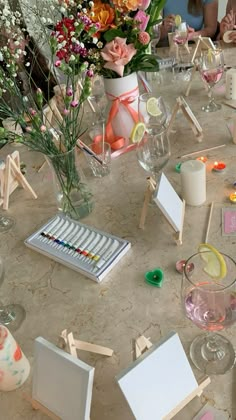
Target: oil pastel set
[78, 246]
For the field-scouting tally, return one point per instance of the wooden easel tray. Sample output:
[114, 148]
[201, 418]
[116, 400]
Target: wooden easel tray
[78, 246]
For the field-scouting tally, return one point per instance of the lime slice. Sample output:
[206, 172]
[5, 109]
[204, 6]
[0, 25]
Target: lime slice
[178, 20]
[138, 132]
[153, 108]
[216, 266]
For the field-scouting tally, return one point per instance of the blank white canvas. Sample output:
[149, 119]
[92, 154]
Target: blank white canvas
[158, 381]
[169, 203]
[61, 382]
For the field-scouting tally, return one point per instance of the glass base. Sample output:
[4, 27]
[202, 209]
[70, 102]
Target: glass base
[212, 353]
[211, 107]
[6, 223]
[12, 316]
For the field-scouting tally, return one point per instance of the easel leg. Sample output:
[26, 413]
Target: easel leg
[147, 199]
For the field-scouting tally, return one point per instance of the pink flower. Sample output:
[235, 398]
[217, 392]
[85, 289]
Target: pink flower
[74, 104]
[145, 4]
[144, 38]
[28, 129]
[142, 18]
[32, 112]
[58, 63]
[69, 92]
[43, 128]
[117, 54]
[66, 111]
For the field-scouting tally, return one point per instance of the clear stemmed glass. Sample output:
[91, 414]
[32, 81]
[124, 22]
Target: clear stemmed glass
[211, 305]
[211, 67]
[178, 36]
[11, 315]
[98, 99]
[152, 111]
[156, 38]
[153, 153]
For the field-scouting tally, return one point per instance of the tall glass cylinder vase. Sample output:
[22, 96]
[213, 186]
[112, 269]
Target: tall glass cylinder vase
[122, 112]
[73, 195]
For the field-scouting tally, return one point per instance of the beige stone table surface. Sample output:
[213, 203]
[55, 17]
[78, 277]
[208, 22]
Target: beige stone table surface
[122, 307]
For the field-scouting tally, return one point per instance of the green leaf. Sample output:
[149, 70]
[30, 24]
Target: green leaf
[110, 35]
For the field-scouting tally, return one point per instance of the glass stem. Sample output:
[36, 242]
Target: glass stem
[210, 95]
[212, 350]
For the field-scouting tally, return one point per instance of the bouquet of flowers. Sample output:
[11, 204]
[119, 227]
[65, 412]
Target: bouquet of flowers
[112, 37]
[109, 38]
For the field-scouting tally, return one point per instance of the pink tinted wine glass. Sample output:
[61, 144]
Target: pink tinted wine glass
[211, 305]
[211, 67]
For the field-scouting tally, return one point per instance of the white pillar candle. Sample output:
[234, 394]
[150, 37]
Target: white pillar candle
[193, 182]
[14, 367]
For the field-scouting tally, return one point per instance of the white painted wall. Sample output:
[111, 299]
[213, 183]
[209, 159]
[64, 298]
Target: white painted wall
[222, 8]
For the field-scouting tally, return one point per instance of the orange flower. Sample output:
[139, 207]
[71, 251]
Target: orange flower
[127, 5]
[103, 14]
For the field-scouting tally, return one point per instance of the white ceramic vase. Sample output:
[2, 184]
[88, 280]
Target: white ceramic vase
[14, 367]
[122, 94]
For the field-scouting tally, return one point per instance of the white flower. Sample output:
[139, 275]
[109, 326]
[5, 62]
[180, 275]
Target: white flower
[91, 3]
[27, 64]
[63, 10]
[1, 56]
[72, 58]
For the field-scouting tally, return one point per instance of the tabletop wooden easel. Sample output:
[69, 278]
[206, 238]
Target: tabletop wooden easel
[68, 343]
[142, 344]
[11, 177]
[151, 187]
[182, 105]
[203, 43]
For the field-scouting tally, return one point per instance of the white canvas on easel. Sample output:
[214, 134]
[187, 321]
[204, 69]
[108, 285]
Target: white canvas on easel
[61, 382]
[169, 203]
[160, 382]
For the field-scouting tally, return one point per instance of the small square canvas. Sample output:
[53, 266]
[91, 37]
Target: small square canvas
[169, 203]
[158, 380]
[61, 382]
[228, 222]
[211, 413]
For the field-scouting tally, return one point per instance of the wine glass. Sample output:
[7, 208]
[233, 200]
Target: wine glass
[211, 67]
[156, 29]
[211, 305]
[153, 152]
[98, 99]
[178, 38]
[11, 315]
[152, 111]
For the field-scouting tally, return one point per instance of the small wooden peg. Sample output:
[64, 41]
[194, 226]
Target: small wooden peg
[141, 345]
[36, 405]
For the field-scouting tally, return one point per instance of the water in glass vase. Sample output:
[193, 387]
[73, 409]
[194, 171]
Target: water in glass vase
[72, 192]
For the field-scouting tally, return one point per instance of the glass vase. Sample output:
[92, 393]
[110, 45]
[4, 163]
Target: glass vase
[73, 195]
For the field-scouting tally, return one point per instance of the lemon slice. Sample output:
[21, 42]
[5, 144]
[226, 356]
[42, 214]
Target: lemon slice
[138, 132]
[153, 108]
[210, 55]
[216, 266]
[178, 20]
